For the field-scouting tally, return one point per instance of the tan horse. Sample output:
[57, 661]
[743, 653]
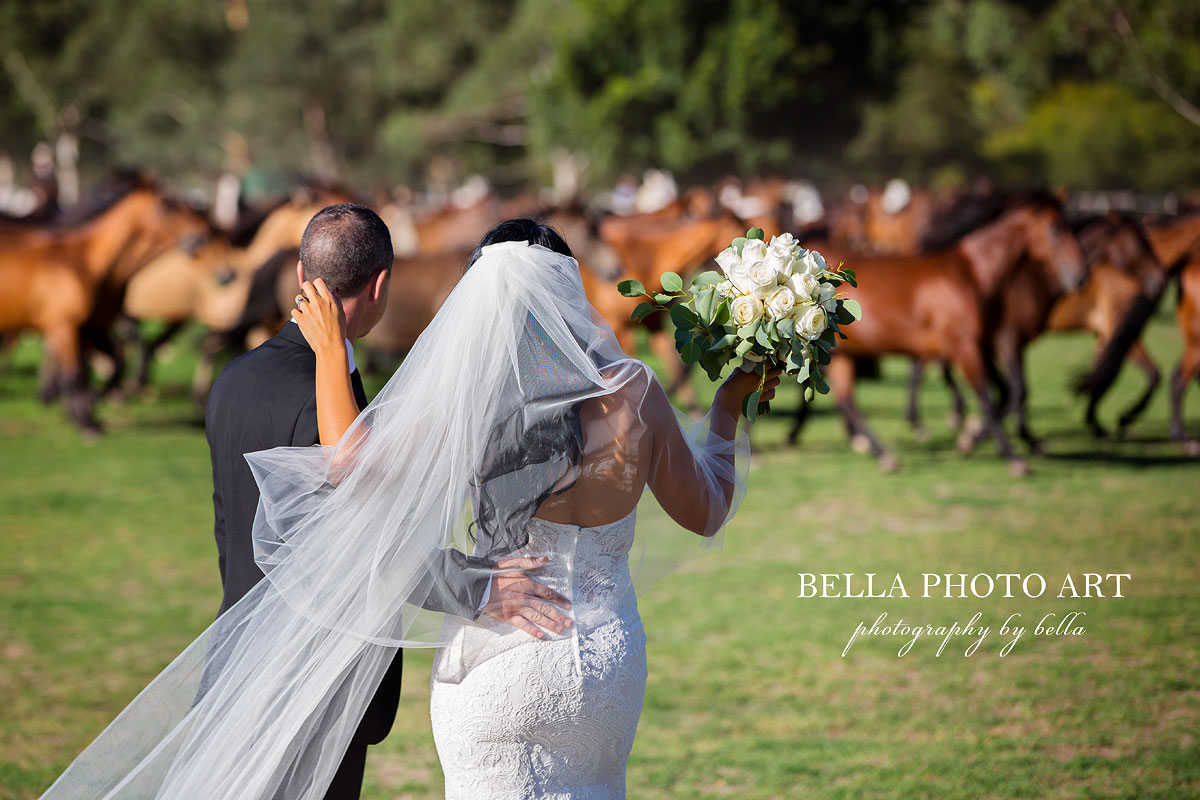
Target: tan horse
[68, 283]
[208, 285]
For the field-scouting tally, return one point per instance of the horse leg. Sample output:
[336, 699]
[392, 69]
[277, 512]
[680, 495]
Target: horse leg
[914, 398]
[1188, 369]
[958, 405]
[65, 348]
[799, 421]
[102, 340]
[1143, 360]
[147, 349]
[840, 374]
[1019, 401]
[49, 381]
[972, 362]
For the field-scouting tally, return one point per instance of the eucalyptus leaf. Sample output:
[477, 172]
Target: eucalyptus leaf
[672, 282]
[642, 311]
[853, 306]
[631, 288]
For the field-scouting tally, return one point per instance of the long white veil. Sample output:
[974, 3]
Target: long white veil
[516, 397]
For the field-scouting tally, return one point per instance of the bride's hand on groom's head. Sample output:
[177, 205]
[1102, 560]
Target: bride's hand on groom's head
[319, 314]
[523, 602]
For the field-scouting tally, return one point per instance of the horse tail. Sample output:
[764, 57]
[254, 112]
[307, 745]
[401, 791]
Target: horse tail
[1103, 374]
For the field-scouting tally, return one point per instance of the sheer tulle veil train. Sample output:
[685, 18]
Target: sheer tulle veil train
[479, 426]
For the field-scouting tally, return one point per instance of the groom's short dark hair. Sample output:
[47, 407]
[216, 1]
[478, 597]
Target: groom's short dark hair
[346, 245]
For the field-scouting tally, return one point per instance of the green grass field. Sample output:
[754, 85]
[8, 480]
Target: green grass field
[107, 569]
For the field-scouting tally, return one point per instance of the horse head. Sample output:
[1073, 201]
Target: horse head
[1050, 241]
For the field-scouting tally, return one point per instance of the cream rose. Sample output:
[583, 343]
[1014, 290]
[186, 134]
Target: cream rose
[804, 286]
[781, 303]
[726, 289]
[763, 279]
[745, 309]
[810, 322]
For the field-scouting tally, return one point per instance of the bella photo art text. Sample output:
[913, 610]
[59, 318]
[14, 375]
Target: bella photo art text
[960, 586]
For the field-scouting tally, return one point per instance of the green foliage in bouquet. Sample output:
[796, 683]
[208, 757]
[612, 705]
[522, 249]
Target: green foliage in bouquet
[774, 304]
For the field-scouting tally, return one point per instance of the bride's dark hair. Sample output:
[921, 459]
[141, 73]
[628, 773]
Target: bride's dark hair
[522, 229]
[526, 461]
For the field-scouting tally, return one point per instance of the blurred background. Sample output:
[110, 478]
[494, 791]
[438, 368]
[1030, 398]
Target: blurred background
[159, 160]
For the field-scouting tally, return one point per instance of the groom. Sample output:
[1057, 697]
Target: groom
[267, 398]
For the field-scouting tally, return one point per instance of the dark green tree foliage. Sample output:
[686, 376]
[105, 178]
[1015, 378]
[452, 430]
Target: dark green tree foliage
[683, 84]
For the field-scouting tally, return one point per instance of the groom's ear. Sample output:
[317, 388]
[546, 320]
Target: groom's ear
[299, 273]
[379, 285]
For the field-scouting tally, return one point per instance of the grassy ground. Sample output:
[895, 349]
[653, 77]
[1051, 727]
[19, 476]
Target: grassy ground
[107, 569]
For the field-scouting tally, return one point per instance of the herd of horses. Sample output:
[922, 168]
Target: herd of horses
[966, 283]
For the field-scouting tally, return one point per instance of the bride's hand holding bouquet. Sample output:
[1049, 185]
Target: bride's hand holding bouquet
[773, 305]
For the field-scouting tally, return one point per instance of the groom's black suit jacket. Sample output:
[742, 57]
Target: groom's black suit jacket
[267, 398]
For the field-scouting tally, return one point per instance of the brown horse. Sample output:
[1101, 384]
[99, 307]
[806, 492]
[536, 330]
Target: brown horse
[1122, 263]
[1188, 369]
[68, 283]
[1176, 243]
[936, 305]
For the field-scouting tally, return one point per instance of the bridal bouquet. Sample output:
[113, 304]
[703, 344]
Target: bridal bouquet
[770, 304]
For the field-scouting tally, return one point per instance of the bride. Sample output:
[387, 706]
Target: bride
[516, 430]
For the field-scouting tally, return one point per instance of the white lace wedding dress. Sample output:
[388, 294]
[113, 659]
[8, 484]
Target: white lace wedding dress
[551, 718]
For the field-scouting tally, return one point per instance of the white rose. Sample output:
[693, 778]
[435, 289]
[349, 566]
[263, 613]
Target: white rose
[726, 289]
[804, 286]
[811, 262]
[763, 279]
[739, 278]
[728, 259]
[745, 309]
[782, 259]
[810, 322]
[754, 250]
[826, 297]
[784, 241]
[781, 302]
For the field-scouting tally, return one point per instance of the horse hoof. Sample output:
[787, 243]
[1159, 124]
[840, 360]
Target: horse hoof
[921, 433]
[1191, 448]
[1097, 431]
[965, 442]
[888, 463]
[1018, 468]
[860, 444]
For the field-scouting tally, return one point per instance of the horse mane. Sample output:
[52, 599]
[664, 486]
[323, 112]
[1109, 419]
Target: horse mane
[250, 219]
[120, 184]
[973, 210]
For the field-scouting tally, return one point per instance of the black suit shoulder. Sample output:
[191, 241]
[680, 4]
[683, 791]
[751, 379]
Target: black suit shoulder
[276, 379]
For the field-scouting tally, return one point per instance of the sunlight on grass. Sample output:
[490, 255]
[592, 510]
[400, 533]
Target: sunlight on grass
[109, 569]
